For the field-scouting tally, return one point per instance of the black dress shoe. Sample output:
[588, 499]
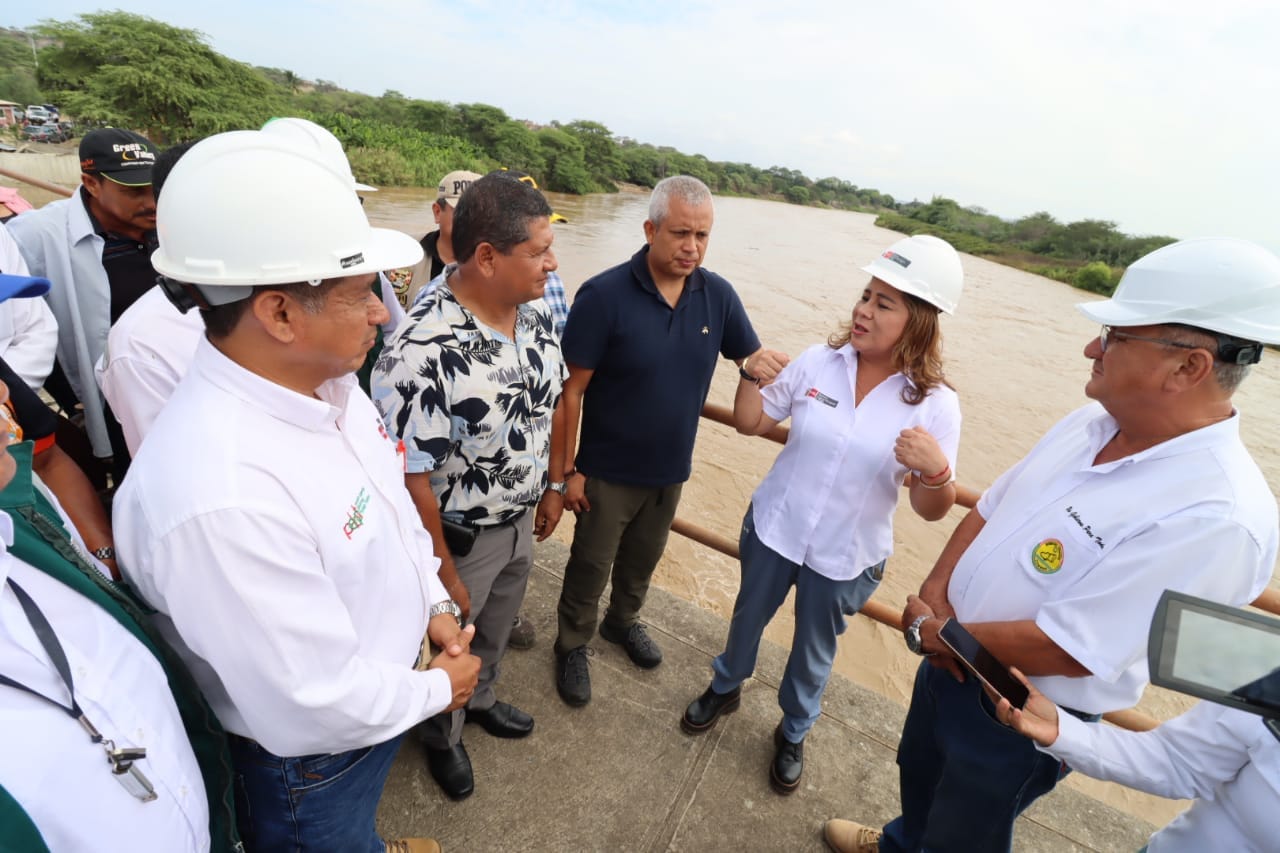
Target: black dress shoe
[502, 719]
[451, 768]
[703, 712]
[788, 763]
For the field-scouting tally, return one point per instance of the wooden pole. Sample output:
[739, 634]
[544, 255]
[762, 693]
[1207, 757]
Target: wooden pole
[36, 182]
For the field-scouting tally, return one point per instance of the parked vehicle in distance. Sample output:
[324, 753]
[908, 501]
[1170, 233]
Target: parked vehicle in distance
[44, 133]
[54, 112]
[68, 128]
[37, 114]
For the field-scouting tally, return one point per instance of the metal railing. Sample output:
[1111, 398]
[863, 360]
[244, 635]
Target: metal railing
[886, 615]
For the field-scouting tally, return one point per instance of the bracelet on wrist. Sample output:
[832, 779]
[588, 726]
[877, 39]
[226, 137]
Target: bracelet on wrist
[569, 472]
[747, 376]
[950, 478]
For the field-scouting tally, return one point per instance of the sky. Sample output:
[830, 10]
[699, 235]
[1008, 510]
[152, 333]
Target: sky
[1159, 115]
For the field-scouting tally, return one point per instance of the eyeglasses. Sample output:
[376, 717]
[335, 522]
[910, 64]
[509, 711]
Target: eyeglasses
[1109, 334]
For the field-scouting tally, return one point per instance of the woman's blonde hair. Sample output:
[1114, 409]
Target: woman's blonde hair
[918, 353]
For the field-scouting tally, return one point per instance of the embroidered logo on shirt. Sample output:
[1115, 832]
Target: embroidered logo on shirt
[822, 398]
[355, 514]
[1046, 557]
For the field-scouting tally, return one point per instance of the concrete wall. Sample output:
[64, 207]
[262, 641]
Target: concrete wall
[61, 169]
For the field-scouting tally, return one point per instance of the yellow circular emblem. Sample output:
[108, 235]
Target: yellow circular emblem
[1047, 556]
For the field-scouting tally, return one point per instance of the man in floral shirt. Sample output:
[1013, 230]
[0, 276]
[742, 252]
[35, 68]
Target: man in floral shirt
[470, 384]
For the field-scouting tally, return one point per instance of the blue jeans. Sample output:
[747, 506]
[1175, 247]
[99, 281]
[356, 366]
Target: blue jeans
[964, 776]
[821, 607]
[310, 803]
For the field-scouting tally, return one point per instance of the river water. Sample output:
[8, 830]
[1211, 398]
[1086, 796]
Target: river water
[1014, 354]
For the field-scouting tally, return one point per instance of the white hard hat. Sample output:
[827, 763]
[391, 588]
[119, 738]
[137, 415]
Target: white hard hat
[1219, 284]
[924, 266]
[308, 133]
[249, 208]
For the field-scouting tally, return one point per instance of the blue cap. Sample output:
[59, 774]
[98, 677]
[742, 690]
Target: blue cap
[22, 286]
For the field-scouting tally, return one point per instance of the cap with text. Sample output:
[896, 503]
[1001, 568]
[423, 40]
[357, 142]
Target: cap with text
[454, 184]
[121, 155]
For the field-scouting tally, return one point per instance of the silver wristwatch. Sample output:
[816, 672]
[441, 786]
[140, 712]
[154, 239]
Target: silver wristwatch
[447, 606]
[914, 641]
[558, 488]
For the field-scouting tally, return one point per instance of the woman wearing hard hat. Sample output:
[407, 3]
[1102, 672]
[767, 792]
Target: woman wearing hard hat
[869, 407]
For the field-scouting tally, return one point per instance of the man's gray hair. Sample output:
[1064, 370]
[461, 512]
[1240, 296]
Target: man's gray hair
[1228, 375]
[687, 188]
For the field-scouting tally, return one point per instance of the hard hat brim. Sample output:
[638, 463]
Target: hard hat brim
[1258, 325]
[906, 285]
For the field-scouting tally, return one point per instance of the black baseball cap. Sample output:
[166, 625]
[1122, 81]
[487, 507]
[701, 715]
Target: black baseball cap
[121, 155]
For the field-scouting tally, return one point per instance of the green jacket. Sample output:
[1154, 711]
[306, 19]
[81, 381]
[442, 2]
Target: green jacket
[41, 540]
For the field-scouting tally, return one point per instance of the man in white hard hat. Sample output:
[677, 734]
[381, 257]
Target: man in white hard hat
[1060, 566]
[472, 387]
[286, 560]
[151, 346]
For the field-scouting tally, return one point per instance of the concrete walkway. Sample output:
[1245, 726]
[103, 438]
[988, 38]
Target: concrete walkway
[619, 775]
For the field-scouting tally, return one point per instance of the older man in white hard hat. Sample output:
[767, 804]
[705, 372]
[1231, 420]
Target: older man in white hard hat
[1059, 567]
[266, 517]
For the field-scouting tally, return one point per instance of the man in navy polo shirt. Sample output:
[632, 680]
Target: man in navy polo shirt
[641, 345]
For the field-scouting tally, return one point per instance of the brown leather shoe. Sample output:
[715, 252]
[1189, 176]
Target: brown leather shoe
[413, 845]
[845, 836]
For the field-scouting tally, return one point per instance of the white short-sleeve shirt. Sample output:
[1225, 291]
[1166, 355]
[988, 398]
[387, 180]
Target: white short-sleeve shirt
[274, 534]
[1086, 550]
[829, 498]
[60, 778]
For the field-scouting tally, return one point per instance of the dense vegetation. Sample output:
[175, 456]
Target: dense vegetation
[123, 69]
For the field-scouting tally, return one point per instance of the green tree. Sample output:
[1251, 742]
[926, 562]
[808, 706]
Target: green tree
[1094, 277]
[517, 147]
[566, 164]
[600, 153]
[130, 70]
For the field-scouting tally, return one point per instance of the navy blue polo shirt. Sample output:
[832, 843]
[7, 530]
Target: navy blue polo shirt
[653, 366]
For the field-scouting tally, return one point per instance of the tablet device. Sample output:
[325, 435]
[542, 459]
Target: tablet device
[982, 663]
[1224, 654]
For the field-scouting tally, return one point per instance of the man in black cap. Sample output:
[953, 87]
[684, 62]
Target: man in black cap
[96, 249]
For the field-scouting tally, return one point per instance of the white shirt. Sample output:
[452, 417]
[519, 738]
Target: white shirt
[829, 498]
[149, 350]
[47, 762]
[28, 331]
[273, 533]
[1086, 550]
[58, 243]
[1226, 759]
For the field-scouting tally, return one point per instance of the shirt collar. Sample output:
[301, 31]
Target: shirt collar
[463, 323]
[640, 269]
[850, 356]
[80, 223]
[283, 403]
[1104, 427]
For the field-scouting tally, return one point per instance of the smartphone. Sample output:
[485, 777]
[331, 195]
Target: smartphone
[983, 664]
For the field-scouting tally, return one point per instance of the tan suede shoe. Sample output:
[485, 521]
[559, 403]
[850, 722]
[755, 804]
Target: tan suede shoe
[413, 845]
[845, 836]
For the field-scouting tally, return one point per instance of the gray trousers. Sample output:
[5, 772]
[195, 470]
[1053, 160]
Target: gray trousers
[495, 574]
[623, 535]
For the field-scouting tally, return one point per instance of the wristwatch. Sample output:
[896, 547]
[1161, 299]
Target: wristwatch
[106, 552]
[914, 641]
[447, 606]
[558, 488]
